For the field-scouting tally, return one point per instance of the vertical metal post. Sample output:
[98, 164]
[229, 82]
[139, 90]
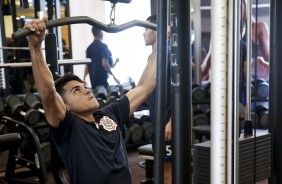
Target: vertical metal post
[275, 85]
[50, 12]
[3, 74]
[51, 52]
[198, 41]
[248, 131]
[233, 92]
[219, 79]
[159, 153]
[14, 14]
[39, 8]
[181, 84]
[59, 35]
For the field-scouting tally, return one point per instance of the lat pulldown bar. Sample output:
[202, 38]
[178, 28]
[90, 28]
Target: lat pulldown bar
[50, 40]
[110, 28]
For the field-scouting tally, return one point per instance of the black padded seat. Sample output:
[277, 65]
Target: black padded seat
[9, 140]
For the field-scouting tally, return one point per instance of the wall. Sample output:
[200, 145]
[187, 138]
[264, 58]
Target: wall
[81, 35]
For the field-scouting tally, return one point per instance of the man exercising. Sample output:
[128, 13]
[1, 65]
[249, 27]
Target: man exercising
[88, 140]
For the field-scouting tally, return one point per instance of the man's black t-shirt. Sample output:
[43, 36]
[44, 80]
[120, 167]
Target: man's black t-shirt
[94, 152]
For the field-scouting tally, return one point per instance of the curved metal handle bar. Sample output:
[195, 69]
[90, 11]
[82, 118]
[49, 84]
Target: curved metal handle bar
[111, 28]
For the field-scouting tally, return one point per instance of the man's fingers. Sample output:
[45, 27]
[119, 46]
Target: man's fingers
[38, 26]
[45, 18]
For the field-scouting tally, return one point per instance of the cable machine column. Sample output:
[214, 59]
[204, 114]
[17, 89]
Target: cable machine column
[181, 84]
[218, 91]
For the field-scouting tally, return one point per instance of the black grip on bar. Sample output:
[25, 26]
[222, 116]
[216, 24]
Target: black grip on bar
[111, 28]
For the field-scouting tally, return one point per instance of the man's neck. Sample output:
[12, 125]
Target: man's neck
[154, 46]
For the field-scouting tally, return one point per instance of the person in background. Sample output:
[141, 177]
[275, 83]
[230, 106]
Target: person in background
[101, 61]
[89, 141]
[260, 44]
[150, 38]
[260, 48]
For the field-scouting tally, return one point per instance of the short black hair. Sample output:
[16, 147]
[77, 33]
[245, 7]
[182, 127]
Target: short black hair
[152, 19]
[96, 31]
[60, 81]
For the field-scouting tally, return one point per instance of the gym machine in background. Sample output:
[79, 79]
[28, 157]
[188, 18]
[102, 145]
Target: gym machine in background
[275, 97]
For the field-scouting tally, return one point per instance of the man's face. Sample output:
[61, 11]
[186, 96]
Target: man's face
[78, 98]
[150, 37]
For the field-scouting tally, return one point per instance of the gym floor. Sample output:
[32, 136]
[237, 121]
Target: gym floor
[138, 173]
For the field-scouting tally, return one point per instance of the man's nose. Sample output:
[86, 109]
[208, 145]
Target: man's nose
[87, 90]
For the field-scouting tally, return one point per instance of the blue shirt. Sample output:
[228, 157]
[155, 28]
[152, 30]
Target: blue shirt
[96, 51]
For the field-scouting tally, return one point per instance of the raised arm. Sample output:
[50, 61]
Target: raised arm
[263, 39]
[115, 63]
[53, 104]
[146, 84]
[206, 65]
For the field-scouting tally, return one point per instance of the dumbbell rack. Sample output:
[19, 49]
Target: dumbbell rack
[37, 165]
[254, 159]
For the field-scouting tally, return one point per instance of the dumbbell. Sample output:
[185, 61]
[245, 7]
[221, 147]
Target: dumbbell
[30, 116]
[111, 99]
[2, 105]
[101, 102]
[207, 87]
[241, 111]
[261, 87]
[113, 90]
[198, 92]
[135, 131]
[147, 127]
[252, 90]
[33, 102]
[43, 132]
[100, 92]
[123, 91]
[125, 87]
[127, 136]
[200, 118]
[262, 114]
[46, 151]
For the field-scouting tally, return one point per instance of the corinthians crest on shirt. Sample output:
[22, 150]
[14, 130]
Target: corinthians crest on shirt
[108, 124]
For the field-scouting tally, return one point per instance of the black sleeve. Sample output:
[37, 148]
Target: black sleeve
[62, 133]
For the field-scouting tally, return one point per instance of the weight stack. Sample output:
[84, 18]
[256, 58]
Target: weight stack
[254, 159]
